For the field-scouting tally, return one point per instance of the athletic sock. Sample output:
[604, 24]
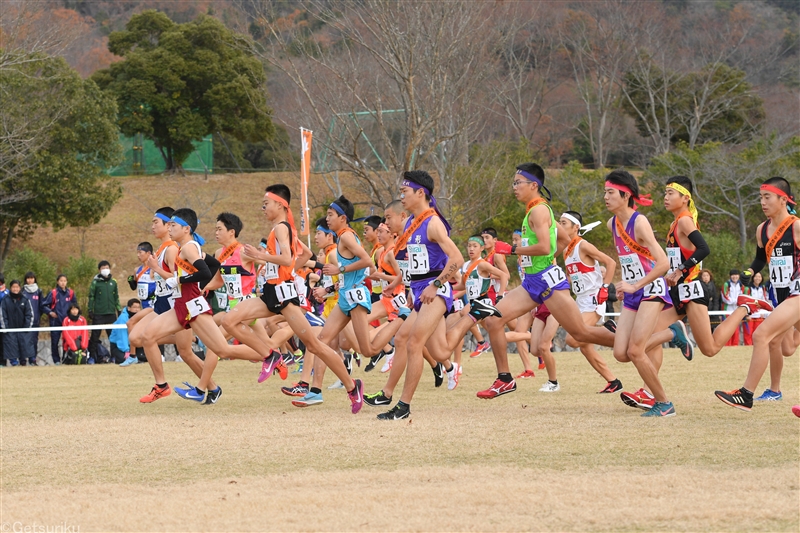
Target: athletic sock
[505, 377]
[552, 381]
[448, 369]
[315, 390]
[161, 385]
[199, 390]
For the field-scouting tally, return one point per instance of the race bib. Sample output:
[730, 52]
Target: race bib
[458, 305]
[525, 261]
[794, 287]
[780, 271]
[161, 286]
[233, 284]
[403, 264]
[142, 290]
[690, 291]
[286, 291]
[400, 301]
[674, 256]
[270, 271]
[358, 295]
[197, 306]
[418, 260]
[473, 288]
[632, 269]
[656, 288]
[444, 290]
[577, 284]
[222, 299]
[553, 276]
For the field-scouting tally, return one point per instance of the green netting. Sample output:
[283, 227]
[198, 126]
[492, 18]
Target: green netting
[142, 157]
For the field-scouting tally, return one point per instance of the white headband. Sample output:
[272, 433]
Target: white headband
[583, 229]
[571, 219]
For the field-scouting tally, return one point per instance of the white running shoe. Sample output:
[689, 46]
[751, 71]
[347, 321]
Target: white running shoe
[452, 377]
[550, 387]
[387, 364]
[336, 385]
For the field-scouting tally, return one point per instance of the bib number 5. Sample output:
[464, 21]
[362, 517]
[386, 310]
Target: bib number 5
[197, 306]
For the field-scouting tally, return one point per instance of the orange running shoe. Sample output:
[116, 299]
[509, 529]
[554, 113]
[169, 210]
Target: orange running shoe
[156, 393]
[282, 370]
[527, 374]
[541, 363]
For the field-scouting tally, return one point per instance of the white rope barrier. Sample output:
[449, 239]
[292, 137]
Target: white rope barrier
[65, 328]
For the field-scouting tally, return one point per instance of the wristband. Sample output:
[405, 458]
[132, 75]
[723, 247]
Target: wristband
[513, 249]
[318, 265]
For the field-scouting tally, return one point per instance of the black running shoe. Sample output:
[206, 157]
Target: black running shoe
[377, 399]
[479, 310]
[374, 361]
[213, 395]
[395, 413]
[613, 386]
[438, 375]
[348, 362]
[736, 398]
[610, 325]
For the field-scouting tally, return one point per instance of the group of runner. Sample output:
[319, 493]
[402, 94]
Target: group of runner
[408, 297]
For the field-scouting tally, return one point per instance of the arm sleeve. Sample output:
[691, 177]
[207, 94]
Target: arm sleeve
[132, 282]
[202, 276]
[760, 261]
[213, 264]
[701, 251]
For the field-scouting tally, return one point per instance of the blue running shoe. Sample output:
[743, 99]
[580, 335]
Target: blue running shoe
[192, 393]
[770, 396]
[130, 360]
[681, 339]
[312, 398]
[661, 409]
[189, 387]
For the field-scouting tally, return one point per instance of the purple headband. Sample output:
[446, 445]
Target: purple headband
[415, 186]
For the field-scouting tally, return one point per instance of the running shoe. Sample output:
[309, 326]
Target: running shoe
[395, 413]
[129, 361]
[180, 390]
[192, 393]
[681, 339]
[479, 310]
[660, 409]
[377, 399]
[282, 370]
[527, 374]
[269, 365]
[498, 388]
[373, 361]
[357, 359]
[348, 362]
[770, 396]
[288, 359]
[336, 385]
[753, 305]
[641, 399]
[542, 366]
[610, 325]
[452, 377]
[796, 410]
[356, 396]
[736, 398]
[480, 348]
[438, 375]
[213, 396]
[613, 386]
[387, 365]
[549, 386]
[156, 393]
[312, 398]
[295, 390]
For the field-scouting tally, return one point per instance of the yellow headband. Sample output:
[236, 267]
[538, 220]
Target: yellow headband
[684, 191]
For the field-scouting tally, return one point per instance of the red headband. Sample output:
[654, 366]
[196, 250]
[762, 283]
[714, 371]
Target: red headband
[643, 199]
[773, 189]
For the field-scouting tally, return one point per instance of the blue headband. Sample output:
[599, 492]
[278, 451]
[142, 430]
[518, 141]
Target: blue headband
[326, 230]
[336, 207]
[201, 241]
[530, 177]
[415, 186]
[162, 216]
[518, 231]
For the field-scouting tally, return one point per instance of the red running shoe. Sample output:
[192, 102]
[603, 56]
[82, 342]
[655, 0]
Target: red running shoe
[640, 399]
[498, 388]
[527, 374]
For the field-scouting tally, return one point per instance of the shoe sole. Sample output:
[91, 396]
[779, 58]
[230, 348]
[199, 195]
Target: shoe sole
[660, 416]
[377, 404]
[630, 402]
[740, 407]
[689, 346]
[305, 404]
[294, 394]
[496, 395]
[145, 400]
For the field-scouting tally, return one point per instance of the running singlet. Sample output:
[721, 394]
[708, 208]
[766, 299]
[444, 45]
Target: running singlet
[162, 290]
[783, 263]
[145, 285]
[531, 264]
[425, 258]
[352, 286]
[583, 279]
[690, 288]
[189, 300]
[238, 282]
[476, 285]
[280, 277]
[634, 265]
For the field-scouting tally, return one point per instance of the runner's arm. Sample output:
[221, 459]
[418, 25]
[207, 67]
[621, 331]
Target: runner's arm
[348, 240]
[488, 271]
[438, 234]
[761, 259]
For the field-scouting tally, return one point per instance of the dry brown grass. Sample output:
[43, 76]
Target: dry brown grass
[78, 448]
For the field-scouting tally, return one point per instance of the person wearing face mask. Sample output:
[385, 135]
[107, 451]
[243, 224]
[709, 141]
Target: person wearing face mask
[103, 304]
[33, 293]
[76, 341]
[120, 346]
[16, 312]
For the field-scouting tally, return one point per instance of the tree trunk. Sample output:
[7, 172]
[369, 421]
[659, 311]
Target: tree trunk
[742, 222]
[7, 245]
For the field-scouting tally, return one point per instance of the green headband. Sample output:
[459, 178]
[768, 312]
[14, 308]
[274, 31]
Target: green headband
[479, 240]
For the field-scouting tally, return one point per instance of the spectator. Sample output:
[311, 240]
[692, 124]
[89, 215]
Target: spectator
[3, 294]
[120, 347]
[76, 341]
[103, 305]
[710, 288]
[16, 313]
[57, 305]
[33, 293]
[758, 288]
[731, 290]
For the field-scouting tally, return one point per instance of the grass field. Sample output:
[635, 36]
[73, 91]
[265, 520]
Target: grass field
[79, 450]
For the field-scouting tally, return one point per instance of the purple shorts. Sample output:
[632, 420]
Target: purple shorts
[656, 292]
[445, 292]
[540, 286]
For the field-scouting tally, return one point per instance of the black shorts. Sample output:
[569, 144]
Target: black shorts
[375, 297]
[781, 294]
[680, 307]
[274, 305]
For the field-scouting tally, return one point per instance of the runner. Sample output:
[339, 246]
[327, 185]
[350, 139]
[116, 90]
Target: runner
[590, 288]
[544, 282]
[142, 280]
[777, 243]
[496, 288]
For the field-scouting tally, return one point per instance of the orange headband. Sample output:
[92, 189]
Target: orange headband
[289, 215]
